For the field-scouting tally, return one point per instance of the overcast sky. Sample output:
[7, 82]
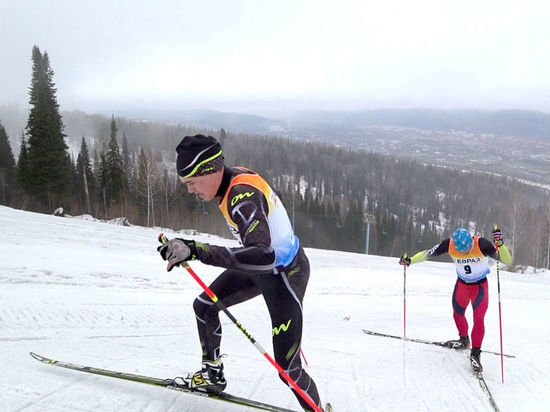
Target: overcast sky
[253, 55]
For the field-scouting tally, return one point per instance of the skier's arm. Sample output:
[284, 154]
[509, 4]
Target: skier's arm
[420, 257]
[504, 255]
[248, 209]
[488, 249]
[437, 250]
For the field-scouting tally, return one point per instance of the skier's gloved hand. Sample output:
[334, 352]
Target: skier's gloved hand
[405, 259]
[498, 238]
[177, 251]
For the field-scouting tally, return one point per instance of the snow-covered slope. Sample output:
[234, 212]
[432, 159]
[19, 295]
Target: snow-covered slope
[98, 294]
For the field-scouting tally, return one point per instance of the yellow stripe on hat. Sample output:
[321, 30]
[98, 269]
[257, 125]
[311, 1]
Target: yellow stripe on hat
[196, 168]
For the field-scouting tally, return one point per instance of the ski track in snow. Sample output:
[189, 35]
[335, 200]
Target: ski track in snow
[97, 294]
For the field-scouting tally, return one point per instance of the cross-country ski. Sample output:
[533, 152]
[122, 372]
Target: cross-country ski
[443, 344]
[485, 389]
[163, 383]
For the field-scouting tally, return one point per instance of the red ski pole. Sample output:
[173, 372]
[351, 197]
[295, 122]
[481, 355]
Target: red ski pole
[304, 357]
[404, 301]
[163, 239]
[499, 315]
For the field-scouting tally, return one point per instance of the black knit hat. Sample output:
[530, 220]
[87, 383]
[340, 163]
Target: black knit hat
[198, 155]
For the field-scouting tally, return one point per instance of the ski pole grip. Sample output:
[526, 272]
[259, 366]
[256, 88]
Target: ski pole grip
[164, 240]
[495, 227]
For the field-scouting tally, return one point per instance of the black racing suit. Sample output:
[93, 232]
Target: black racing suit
[251, 271]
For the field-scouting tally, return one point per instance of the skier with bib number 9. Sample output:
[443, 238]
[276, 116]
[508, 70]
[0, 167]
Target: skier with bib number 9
[469, 254]
[270, 262]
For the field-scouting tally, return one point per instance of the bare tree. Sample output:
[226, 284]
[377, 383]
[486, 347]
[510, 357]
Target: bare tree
[168, 189]
[147, 184]
[516, 211]
[547, 228]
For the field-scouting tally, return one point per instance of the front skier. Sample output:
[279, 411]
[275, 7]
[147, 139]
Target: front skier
[270, 262]
[469, 254]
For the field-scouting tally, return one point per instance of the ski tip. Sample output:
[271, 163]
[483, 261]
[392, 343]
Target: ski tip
[36, 356]
[40, 358]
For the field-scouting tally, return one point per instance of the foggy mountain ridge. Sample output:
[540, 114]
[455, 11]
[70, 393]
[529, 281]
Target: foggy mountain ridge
[209, 119]
[515, 123]
[518, 123]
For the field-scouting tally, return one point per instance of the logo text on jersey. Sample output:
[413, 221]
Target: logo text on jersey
[240, 196]
[468, 260]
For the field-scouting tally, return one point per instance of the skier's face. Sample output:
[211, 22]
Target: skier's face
[205, 186]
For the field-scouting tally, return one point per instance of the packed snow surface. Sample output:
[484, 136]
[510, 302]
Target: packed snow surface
[97, 294]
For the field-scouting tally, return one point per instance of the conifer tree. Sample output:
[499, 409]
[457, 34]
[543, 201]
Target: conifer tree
[7, 167]
[127, 174]
[353, 228]
[114, 172]
[22, 174]
[223, 137]
[101, 176]
[85, 178]
[48, 159]
[126, 157]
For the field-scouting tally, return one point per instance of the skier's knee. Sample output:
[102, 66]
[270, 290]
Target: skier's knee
[204, 308]
[296, 374]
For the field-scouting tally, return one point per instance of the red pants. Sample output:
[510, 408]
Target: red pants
[478, 294]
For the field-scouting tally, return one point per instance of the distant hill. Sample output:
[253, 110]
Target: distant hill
[518, 123]
[209, 119]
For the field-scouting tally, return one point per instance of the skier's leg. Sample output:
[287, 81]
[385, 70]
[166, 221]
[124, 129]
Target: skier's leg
[460, 302]
[283, 294]
[479, 306]
[231, 287]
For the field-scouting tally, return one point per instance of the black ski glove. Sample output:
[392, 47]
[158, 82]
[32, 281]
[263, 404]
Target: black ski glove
[177, 251]
[405, 260]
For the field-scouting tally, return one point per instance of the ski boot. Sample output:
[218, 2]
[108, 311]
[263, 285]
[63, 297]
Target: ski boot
[209, 379]
[328, 408]
[475, 354]
[462, 343]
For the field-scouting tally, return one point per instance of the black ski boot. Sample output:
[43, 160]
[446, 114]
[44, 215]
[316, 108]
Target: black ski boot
[462, 343]
[475, 354]
[210, 378]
